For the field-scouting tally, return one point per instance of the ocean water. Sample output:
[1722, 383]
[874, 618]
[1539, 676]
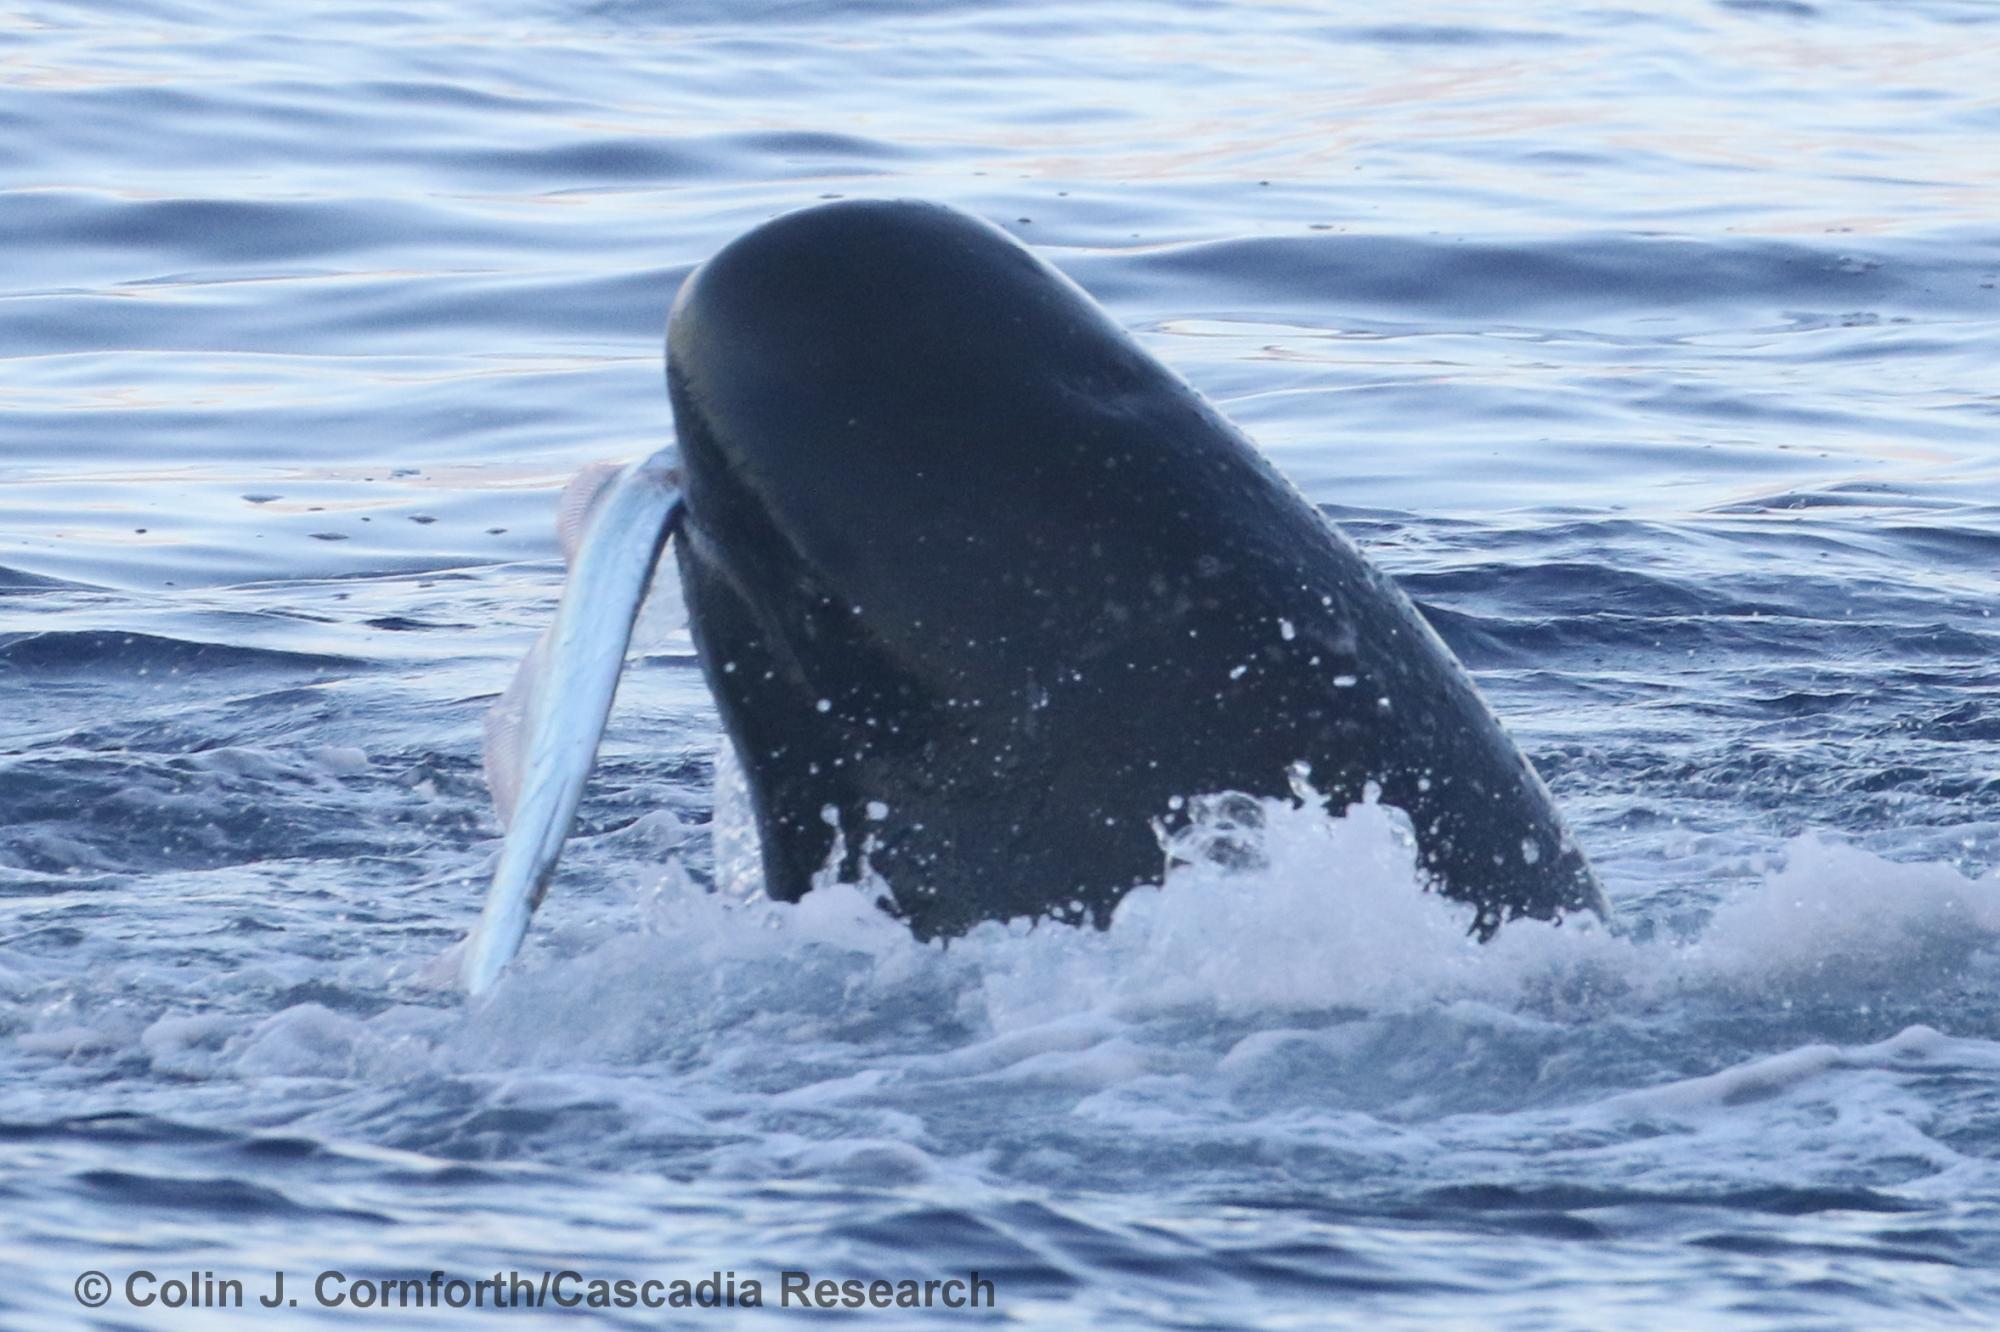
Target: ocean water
[1653, 347]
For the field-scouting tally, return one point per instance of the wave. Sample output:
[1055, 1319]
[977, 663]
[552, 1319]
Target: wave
[1559, 279]
[20, 580]
[70, 652]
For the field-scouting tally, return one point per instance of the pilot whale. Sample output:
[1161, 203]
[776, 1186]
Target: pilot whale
[987, 597]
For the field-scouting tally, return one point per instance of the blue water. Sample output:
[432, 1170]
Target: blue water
[1653, 348]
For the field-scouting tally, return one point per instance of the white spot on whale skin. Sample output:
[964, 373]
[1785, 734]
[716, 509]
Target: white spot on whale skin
[1345, 681]
[1530, 853]
[1287, 631]
[824, 705]
[877, 811]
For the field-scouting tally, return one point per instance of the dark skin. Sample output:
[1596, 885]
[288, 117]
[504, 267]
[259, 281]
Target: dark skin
[979, 582]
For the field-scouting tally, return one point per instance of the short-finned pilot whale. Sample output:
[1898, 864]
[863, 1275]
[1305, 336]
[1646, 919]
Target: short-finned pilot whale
[986, 594]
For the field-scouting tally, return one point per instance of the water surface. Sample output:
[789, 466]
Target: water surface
[1651, 347]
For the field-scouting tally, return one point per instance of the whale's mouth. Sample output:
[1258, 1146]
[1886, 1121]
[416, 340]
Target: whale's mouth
[542, 736]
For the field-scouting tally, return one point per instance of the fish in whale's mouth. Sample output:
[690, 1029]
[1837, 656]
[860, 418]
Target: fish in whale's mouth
[947, 574]
[541, 736]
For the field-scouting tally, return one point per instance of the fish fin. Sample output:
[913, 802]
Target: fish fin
[579, 502]
[504, 731]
